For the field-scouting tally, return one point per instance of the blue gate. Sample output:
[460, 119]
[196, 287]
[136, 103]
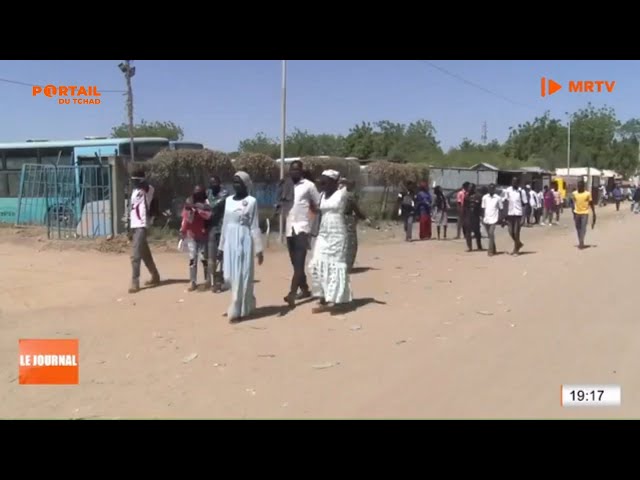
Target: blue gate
[71, 201]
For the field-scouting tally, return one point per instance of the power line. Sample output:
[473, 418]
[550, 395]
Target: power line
[474, 85]
[25, 84]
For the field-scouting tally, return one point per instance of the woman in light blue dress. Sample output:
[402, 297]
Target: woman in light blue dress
[240, 241]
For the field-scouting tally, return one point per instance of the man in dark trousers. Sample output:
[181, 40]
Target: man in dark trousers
[515, 198]
[460, 196]
[142, 210]
[304, 201]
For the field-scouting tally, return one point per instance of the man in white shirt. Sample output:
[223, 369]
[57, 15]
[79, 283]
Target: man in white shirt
[539, 201]
[306, 200]
[515, 198]
[557, 196]
[139, 221]
[491, 213]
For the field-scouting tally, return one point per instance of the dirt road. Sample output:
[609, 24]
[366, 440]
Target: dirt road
[438, 333]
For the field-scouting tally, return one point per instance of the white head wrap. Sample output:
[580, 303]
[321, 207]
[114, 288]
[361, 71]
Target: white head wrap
[246, 179]
[331, 174]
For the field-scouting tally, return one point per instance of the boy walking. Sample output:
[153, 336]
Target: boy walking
[193, 230]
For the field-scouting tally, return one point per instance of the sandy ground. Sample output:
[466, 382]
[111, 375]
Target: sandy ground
[437, 333]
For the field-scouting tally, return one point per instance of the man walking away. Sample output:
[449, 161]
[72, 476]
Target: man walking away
[514, 196]
[582, 202]
[491, 213]
[298, 227]
[636, 200]
[460, 204]
[216, 197]
[557, 198]
[139, 222]
[617, 197]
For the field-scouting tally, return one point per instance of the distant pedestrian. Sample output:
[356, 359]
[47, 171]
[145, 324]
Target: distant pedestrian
[492, 215]
[407, 209]
[528, 206]
[440, 211]
[460, 204]
[582, 203]
[472, 207]
[549, 204]
[540, 202]
[636, 200]
[424, 201]
[557, 198]
[139, 223]
[617, 197]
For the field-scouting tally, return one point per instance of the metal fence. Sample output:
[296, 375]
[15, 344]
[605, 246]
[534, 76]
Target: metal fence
[71, 201]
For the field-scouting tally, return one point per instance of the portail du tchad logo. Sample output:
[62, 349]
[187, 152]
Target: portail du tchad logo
[48, 362]
[70, 94]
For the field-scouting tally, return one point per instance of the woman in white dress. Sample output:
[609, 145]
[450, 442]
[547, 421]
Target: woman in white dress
[240, 241]
[328, 267]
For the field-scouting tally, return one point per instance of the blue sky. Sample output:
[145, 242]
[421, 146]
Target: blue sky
[220, 103]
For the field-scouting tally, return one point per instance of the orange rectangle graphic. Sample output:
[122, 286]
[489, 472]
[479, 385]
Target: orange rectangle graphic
[48, 362]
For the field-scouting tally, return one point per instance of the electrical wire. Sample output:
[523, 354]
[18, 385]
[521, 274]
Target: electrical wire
[25, 84]
[474, 85]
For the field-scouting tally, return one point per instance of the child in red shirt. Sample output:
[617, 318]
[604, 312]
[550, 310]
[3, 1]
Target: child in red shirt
[194, 232]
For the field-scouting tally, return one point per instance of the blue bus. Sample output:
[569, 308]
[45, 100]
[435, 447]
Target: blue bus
[182, 145]
[74, 153]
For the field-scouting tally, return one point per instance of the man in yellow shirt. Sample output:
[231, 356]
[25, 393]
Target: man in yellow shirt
[582, 203]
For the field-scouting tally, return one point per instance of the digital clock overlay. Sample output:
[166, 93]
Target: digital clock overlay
[590, 395]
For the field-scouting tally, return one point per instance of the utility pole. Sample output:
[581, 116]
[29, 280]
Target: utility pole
[129, 71]
[484, 136]
[283, 135]
[568, 145]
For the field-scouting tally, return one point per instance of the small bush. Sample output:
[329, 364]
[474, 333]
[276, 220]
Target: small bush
[392, 176]
[174, 173]
[347, 168]
[261, 168]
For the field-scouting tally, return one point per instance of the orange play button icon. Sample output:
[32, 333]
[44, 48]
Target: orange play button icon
[548, 86]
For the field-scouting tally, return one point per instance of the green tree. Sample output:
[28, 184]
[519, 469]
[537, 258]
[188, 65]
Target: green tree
[167, 130]
[544, 137]
[360, 141]
[260, 144]
[593, 130]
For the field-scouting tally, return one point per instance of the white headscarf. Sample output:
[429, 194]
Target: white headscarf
[246, 179]
[331, 174]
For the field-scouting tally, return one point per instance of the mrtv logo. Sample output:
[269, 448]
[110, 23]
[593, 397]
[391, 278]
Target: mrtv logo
[549, 86]
[70, 94]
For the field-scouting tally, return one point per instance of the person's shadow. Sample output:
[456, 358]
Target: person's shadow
[272, 311]
[355, 304]
[170, 281]
[356, 270]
